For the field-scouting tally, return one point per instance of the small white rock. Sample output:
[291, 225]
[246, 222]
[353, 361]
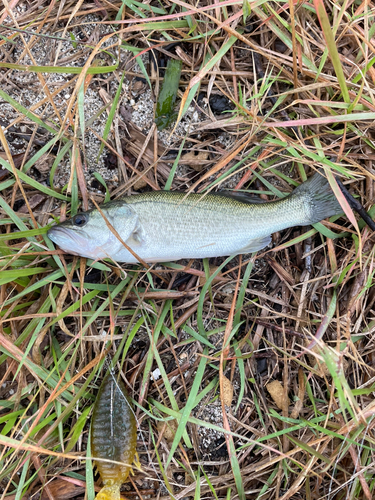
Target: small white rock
[156, 374]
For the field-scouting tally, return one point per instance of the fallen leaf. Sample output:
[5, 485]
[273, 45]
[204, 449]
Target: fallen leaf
[227, 393]
[34, 201]
[276, 391]
[60, 490]
[44, 164]
[203, 279]
[196, 160]
[168, 429]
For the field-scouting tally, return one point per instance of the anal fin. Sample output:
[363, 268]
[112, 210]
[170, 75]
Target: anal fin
[256, 244]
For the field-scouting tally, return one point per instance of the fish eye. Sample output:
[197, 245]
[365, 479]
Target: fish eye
[80, 220]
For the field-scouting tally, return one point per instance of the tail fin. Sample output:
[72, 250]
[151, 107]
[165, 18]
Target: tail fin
[109, 492]
[319, 198]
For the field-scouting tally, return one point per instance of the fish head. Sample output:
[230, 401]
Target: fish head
[88, 234]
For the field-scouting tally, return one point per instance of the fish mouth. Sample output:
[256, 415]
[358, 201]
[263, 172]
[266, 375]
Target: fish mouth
[67, 239]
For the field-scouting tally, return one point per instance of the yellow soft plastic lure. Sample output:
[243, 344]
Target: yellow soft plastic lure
[113, 436]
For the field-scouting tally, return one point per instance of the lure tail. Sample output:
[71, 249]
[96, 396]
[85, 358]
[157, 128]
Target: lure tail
[109, 492]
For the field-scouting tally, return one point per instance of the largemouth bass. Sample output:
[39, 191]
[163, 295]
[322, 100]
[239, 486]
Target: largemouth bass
[162, 226]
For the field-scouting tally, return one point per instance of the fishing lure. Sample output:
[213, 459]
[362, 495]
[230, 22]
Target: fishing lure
[113, 436]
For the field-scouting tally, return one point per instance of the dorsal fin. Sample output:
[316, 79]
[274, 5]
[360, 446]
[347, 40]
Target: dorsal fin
[241, 196]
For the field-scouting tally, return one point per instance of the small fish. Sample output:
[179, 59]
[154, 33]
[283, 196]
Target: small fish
[162, 226]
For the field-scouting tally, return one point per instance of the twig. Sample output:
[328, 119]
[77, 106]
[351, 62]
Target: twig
[356, 205]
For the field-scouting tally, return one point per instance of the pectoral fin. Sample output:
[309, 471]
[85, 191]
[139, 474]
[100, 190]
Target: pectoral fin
[137, 237]
[256, 244]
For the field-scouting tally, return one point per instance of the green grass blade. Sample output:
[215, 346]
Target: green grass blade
[332, 48]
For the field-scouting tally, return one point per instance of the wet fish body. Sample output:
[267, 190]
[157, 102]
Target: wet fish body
[165, 226]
